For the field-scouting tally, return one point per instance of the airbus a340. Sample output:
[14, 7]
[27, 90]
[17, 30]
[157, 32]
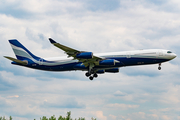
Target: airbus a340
[93, 63]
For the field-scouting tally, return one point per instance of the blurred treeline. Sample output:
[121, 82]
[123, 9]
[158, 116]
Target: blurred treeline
[68, 117]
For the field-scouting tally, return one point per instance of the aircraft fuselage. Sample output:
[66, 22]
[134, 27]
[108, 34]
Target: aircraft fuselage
[126, 58]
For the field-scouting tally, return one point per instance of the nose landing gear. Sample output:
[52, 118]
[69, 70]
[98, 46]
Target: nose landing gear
[159, 68]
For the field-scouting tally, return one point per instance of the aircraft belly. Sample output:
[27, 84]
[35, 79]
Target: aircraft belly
[141, 61]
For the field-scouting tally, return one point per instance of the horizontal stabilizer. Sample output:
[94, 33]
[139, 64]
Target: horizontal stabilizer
[17, 61]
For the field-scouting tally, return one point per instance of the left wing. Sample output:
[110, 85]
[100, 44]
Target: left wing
[87, 58]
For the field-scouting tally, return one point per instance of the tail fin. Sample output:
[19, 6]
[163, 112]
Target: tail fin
[20, 51]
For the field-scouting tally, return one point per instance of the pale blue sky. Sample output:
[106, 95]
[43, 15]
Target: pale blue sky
[140, 92]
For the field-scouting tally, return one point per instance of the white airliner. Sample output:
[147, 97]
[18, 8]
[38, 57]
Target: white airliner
[87, 61]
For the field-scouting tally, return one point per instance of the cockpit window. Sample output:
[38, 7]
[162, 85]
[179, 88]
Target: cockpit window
[169, 52]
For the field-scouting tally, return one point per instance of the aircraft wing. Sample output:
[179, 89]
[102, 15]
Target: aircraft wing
[73, 53]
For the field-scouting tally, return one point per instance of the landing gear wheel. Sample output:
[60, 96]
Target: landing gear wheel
[91, 78]
[95, 75]
[87, 74]
[159, 68]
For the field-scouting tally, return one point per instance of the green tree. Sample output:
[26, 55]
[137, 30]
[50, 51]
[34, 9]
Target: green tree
[68, 117]
[81, 119]
[4, 118]
[61, 118]
[44, 118]
[10, 118]
[52, 118]
[93, 118]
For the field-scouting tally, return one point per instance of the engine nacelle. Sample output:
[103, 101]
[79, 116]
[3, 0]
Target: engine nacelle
[100, 71]
[114, 70]
[85, 55]
[108, 62]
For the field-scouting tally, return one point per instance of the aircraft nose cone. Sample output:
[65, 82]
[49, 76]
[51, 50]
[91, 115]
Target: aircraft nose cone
[173, 56]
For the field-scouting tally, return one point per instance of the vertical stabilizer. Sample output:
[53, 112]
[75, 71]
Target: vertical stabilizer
[20, 51]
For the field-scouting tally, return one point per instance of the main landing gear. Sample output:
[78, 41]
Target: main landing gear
[91, 77]
[159, 68]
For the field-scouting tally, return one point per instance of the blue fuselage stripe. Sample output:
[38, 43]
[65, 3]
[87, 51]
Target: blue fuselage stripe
[124, 61]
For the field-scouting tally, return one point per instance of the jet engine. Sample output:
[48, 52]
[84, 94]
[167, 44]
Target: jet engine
[108, 62]
[114, 70]
[100, 71]
[85, 55]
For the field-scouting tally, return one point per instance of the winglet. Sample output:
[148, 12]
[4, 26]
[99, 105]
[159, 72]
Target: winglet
[52, 41]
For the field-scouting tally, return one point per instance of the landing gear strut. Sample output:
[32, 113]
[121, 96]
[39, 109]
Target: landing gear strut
[159, 68]
[91, 71]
